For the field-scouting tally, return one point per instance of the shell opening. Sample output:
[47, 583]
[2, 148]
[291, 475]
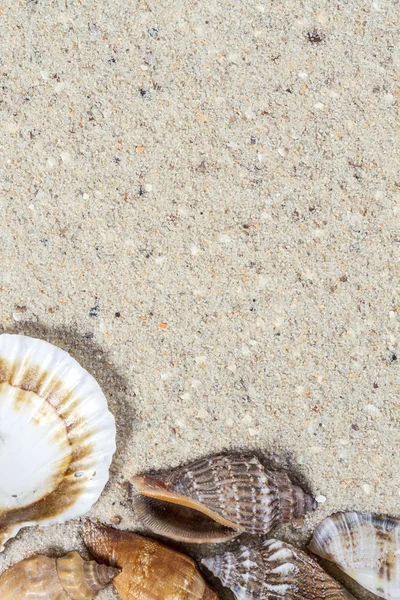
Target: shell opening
[179, 521]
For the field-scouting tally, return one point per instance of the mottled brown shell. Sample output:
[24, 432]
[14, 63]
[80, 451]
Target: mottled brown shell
[215, 499]
[43, 578]
[366, 547]
[272, 571]
[148, 569]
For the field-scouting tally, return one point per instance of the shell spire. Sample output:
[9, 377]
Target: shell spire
[366, 547]
[42, 578]
[148, 569]
[81, 578]
[217, 498]
[274, 570]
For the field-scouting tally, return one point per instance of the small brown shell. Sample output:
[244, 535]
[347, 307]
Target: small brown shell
[215, 499]
[274, 570]
[149, 569]
[42, 578]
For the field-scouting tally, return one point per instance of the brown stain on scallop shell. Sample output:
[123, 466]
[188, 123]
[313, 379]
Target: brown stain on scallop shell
[65, 403]
[148, 569]
[274, 570]
[42, 578]
[217, 498]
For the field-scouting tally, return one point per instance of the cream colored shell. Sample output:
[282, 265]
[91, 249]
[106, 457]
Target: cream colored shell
[57, 436]
[366, 547]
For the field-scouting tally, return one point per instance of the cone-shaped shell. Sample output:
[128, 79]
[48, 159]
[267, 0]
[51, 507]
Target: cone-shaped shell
[44, 578]
[215, 499]
[274, 570]
[366, 547]
[149, 569]
[55, 424]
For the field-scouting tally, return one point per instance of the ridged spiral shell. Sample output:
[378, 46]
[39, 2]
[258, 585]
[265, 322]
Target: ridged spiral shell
[56, 426]
[274, 570]
[217, 498]
[44, 578]
[365, 546]
[148, 569]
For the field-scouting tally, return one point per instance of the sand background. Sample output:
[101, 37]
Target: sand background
[200, 201]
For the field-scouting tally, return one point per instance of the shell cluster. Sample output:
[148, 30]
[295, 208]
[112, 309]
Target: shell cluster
[55, 420]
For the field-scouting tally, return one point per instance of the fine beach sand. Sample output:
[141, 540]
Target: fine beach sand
[201, 201]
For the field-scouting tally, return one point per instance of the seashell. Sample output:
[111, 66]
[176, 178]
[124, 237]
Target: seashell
[149, 569]
[365, 546]
[215, 499]
[274, 570]
[57, 436]
[44, 578]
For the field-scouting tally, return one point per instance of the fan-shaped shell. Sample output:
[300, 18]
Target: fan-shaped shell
[57, 436]
[366, 547]
[44, 578]
[149, 569]
[274, 570]
[217, 498]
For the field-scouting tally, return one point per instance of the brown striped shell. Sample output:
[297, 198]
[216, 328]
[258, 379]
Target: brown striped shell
[44, 578]
[215, 499]
[149, 570]
[366, 547]
[272, 571]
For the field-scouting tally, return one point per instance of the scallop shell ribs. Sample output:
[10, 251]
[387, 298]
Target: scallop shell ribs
[149, 569]
[44, 578]
[57, 436]
[217, 498]
[274, 570]
[366, 547]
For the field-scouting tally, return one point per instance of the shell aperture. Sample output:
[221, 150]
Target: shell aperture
[365, 546]
[56, 426]
[215, 499]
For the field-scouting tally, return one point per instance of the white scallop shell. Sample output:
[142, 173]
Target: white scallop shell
[366, 547]
[57, 436]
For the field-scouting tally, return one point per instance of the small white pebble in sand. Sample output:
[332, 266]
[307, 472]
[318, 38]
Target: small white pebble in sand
[17, 317]
[31, 206]
[148, 187]
[302, 75]
[388, 98]
[319, 105]
[144, 67]
[185, 397]
[196, 384]
[200, 359]
[85, 196]
[202, 414]
[225, 238]
[247, 419]
[260, 8]
[160, 259]
[230, 422]
[59, 87]
[320, 499]
[367, 488]
[44, 75]
[51, 162]
[232, 368]
[194, 250]
[252, 432]
[283, 152]
[65, 157]
[233, 58]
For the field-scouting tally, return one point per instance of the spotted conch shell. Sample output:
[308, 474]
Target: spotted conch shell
[57, 436]
[215, 499]
[149, 569]
[366, 547]
[44, 578]
[274, 570]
